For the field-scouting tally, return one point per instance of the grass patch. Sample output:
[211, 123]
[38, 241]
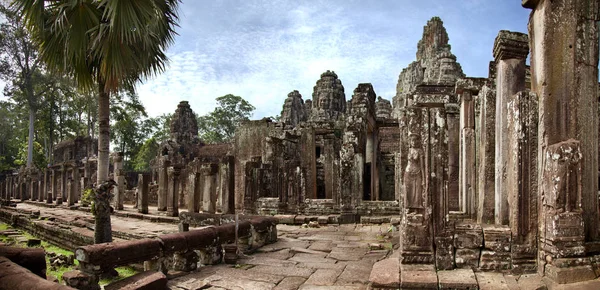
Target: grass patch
[124, 272]
[3, 227]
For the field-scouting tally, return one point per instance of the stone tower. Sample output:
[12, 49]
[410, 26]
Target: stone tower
[184, 126]
[294, 110]
[435, 64]
[328, 100]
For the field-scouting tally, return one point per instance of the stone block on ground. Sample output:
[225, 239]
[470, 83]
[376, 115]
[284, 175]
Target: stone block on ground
[386, 274]
[418, 278]
[457, 279]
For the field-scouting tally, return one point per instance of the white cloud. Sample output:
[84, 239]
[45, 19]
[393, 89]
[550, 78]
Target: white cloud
[262, 50]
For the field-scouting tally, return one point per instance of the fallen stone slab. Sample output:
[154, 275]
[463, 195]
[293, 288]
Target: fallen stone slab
[142, 281]
[386, 274]
[15, 277]
[457, 279]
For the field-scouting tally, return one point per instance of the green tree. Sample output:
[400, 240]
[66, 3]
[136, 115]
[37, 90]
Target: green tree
[131, 125]
[39, 160]
[22, 69]
[105, 45]
[12, 132]
[219, 125]
[147, 152]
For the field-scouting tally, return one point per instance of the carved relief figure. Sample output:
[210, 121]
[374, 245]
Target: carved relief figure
[414, 174]
[562, 176]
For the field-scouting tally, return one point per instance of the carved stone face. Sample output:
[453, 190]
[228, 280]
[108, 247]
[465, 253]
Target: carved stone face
[324, 101]
[413, 141]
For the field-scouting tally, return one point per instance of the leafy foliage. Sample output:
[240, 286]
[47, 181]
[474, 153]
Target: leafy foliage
[39, 159]
[219, 125]
[147, 152]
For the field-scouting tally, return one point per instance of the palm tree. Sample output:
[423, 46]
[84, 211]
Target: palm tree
[105, 45]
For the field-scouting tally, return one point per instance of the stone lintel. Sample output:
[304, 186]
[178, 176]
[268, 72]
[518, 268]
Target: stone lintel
[509, 44]
[473, 85]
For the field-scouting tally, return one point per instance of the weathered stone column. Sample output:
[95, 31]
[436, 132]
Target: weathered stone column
[225, 190]
[44, 192]
[467, 151]
[163, 183]
[510, 52]
[33, 182]
[40, 190]
[485, 176]
[564, 76]
[118, 190]
[52, 189]
[70, 192]
[453, 122]
[74, 188]
[63, 182]
[194, 191]
[209, 183]
[142, 202]
[87, 173]
[173, 194]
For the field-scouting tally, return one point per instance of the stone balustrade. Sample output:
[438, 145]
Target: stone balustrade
[186, 250]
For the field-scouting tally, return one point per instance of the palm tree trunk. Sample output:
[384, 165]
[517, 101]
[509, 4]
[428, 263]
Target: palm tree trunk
[30, 141]
[103, 231]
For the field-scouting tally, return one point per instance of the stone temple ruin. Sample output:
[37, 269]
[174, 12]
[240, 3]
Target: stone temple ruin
[496, 173]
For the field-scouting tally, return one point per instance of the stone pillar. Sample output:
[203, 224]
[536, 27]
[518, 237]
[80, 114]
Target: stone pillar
[40, 190]
[209, 184]
[225, 189]
[416, 241]
[44, 192]
[194, 192]
[52, 189]
[564, 76]
[452, 117]
[87, 173]
[119, 189]
[63, 182]
[142, 198]
[70, 192]
[74, 187]
[467, 152]
[163, 183]
[173, 192]
[510, 52]
[487, 118]
[33, 182]
[521, 166]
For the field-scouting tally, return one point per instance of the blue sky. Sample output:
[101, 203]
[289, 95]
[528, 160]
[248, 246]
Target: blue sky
[262, 50]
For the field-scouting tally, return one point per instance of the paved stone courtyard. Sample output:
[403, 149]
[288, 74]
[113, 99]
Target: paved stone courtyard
[324, 257]
[329, 257]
